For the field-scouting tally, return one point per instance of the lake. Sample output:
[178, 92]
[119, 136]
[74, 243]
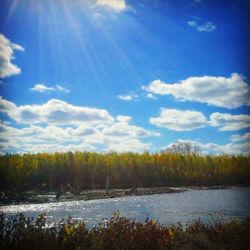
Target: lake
[166, 208]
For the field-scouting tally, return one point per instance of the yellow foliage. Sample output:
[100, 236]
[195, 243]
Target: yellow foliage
[69, 229]
[171, 233]
[154, 222]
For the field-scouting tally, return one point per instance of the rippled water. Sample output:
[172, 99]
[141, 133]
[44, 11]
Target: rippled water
[166, 208]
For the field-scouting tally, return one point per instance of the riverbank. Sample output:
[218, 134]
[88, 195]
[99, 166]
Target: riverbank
[44, 197]
[22, 232]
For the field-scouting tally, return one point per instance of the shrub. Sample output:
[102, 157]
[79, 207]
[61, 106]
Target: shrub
[20, 232]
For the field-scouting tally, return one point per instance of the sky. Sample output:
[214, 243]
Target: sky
[124, 75]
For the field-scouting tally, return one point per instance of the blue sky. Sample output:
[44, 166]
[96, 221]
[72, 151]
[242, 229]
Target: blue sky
[121, 75]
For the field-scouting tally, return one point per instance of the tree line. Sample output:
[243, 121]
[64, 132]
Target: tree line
[90, 170]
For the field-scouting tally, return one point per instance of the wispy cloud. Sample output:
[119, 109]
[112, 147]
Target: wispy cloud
[7, 68]
[43, 88]
[192, 23]
[179, 120]
[125, 97]
[205, 27]
[128, 98]
[115, 5]
[150, 96]
[231, 92]
[195, 2]
[61, 88]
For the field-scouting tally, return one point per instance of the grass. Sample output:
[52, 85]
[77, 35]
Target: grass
[118, 233]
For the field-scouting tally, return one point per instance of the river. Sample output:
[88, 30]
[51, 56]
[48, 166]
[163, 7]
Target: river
[208, 205]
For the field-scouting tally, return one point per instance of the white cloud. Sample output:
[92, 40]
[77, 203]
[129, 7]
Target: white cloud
[54, 112]
[179, 120]
[123, 118]
[229, 122]
[192, 23]
[231, 92]
[235, 148]
[128, 98]
[6, 106]
[151, 96]
[129, 145]
[7, 68]
[55, 138]
[238, 137]
[122, 128]
[232, 148]
[206, 27]
[116, 5]
[43, 88]
[125, 97]
[60, 126]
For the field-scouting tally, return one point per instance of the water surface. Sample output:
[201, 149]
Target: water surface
[166, 208]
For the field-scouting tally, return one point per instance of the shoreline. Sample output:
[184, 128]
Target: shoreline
[43, 197]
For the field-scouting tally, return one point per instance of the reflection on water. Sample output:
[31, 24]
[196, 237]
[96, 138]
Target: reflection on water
[166, 208]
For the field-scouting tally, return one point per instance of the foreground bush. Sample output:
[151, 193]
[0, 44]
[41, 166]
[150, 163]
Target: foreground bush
[19, 232]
